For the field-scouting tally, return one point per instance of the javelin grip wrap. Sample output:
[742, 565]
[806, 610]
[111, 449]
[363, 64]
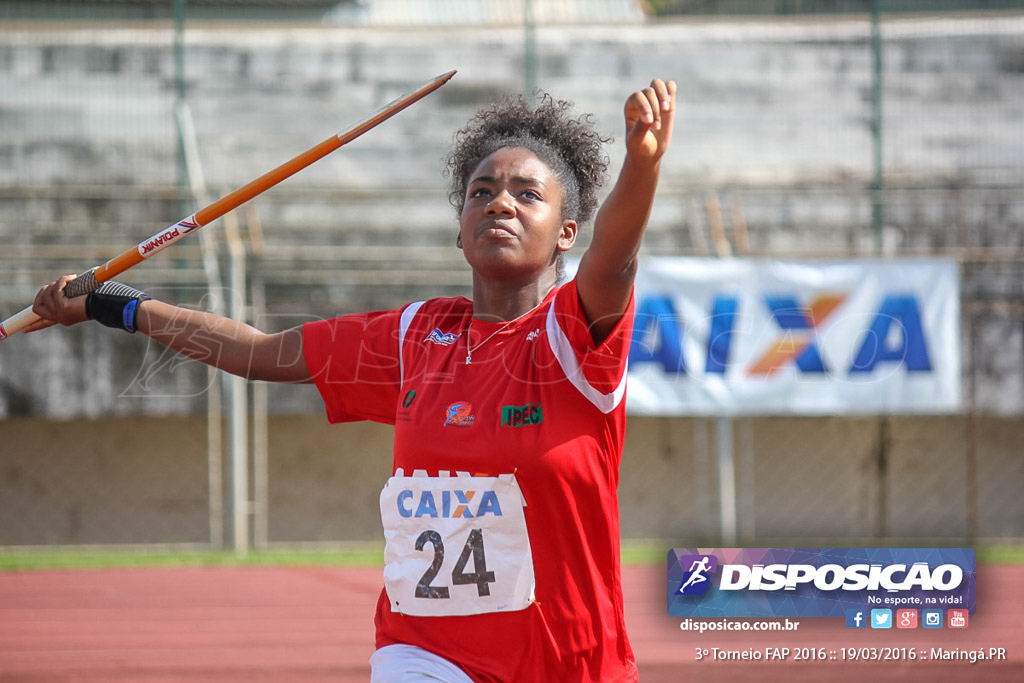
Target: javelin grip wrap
[115, 305]
[82, 285]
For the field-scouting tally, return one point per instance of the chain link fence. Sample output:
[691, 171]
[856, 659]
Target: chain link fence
[109, 441]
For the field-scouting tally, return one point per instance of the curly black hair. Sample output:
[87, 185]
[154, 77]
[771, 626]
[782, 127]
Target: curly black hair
[568, 144]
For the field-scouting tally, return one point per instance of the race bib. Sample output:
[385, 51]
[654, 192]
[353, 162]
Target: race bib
[455, 545]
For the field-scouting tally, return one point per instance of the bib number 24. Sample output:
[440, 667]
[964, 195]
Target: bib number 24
[473, 549]
[455, 545]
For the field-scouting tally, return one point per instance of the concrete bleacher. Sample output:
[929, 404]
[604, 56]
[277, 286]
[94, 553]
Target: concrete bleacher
[775, 121]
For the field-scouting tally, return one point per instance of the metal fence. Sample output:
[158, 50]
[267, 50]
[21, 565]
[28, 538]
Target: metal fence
[108, 441]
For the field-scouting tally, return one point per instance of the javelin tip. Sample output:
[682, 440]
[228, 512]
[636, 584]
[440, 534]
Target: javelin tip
[434, 83]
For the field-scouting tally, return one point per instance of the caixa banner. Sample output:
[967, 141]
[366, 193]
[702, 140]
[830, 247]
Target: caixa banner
[738, 336]
[817, 582]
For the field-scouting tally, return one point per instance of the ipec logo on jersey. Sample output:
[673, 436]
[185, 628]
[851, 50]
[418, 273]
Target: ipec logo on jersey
[460, 414]
[521, 416]
[697, 579]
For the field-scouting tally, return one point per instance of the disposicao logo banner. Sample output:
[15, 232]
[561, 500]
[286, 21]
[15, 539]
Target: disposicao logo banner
[817, 582]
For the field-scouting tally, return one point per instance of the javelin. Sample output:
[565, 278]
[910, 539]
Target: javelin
[90, 280]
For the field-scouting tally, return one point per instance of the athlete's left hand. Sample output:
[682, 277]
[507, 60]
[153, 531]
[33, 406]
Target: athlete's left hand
[649, 117]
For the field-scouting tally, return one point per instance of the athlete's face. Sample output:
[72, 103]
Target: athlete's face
[511, 223]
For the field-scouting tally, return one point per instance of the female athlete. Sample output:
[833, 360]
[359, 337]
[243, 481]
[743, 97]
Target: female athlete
[501, 517]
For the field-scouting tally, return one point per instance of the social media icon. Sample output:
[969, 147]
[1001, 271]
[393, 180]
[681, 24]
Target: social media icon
[958, 618]
[906, 618]
[881, 618]
[856, 618]
[931, 618]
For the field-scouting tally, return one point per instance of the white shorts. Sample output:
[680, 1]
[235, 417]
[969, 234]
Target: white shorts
[411, 664]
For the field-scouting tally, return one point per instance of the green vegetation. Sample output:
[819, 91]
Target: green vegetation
[355, 555]
[1000, 554]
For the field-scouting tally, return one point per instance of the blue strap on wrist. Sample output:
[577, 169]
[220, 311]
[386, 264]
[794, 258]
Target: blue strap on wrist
[115, 305]
[128, 314]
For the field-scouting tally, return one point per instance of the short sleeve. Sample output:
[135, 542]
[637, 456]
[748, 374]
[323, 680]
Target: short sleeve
[354, 361]
[603, 365]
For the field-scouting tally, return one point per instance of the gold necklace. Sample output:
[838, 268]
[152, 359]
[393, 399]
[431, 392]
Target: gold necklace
[470, 349]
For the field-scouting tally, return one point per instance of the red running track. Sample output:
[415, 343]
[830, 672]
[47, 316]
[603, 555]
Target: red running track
[312, 625]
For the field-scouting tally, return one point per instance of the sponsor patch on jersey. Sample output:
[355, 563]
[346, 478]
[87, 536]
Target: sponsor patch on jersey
[442, 338]
[460, 414]
[521, 416]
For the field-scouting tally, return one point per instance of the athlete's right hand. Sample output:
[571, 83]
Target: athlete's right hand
[52, 306]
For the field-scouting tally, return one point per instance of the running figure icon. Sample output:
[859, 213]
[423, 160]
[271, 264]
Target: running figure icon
[698, 571]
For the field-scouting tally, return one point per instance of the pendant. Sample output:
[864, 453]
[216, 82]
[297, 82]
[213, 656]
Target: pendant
[469, 359]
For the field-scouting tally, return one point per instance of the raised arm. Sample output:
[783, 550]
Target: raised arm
[608, 267]
[227, 344]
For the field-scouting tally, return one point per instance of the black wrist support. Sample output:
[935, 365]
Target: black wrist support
[115, 305]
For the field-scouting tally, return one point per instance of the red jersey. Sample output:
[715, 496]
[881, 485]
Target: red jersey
[538, 401]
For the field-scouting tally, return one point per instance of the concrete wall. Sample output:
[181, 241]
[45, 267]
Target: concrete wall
[800, 481]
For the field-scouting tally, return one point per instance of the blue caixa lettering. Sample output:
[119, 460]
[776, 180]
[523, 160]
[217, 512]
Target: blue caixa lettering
[894, 334]
[448, 504]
